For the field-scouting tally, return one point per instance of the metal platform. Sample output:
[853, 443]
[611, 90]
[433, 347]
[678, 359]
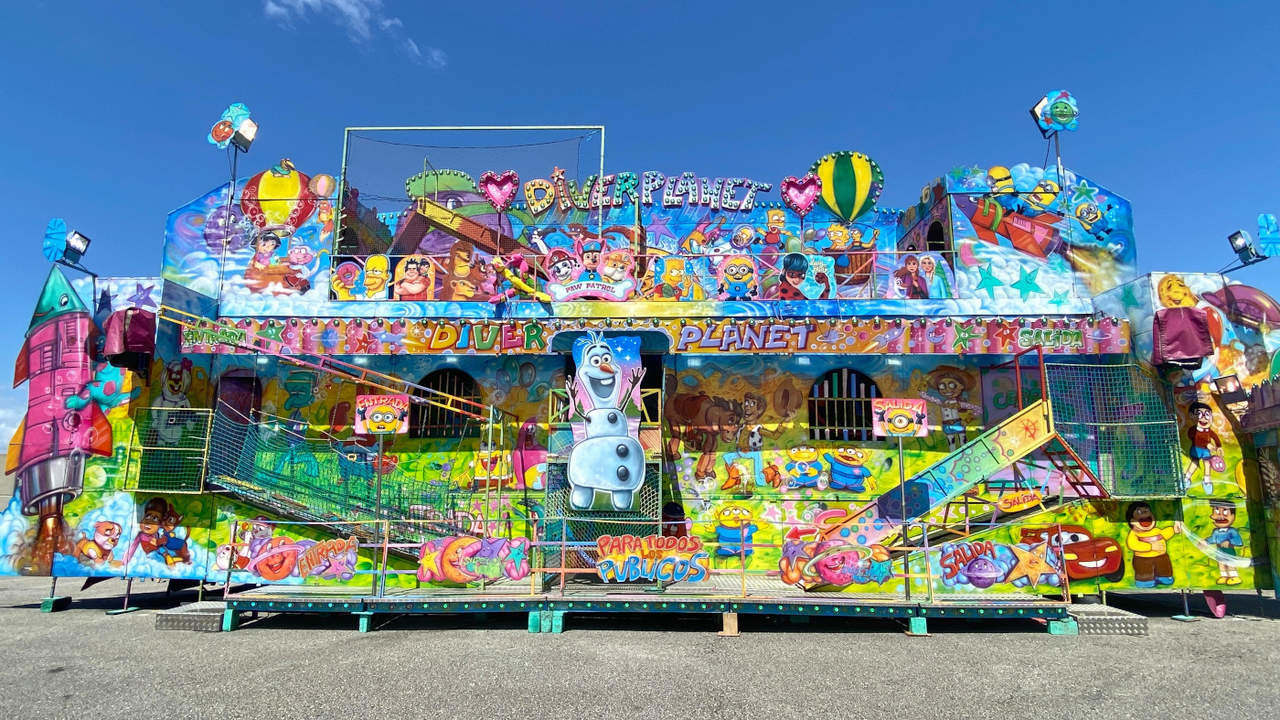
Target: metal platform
[547, 609]
[1107, 620]
[204, 616]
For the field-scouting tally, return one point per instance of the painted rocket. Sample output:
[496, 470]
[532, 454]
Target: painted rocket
[49, 448]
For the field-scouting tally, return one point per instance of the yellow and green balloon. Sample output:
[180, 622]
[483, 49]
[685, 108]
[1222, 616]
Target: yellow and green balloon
[851, 183]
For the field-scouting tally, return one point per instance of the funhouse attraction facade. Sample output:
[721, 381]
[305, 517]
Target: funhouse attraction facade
[649, 391]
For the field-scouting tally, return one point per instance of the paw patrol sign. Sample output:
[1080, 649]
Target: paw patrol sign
[899, 417]
[382, 414]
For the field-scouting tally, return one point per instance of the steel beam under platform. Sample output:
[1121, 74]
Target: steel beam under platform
[547, 611]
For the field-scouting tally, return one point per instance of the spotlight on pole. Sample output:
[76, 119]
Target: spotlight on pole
[244, 135]
[77, 246]
[1242, 246]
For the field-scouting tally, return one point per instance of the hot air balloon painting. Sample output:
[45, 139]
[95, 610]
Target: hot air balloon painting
[278, 199]
[851, 183]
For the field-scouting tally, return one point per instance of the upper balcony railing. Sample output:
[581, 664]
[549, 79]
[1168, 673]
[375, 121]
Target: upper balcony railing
[620, 275]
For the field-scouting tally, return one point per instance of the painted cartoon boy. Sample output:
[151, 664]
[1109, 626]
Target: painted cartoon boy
[1206, 446]
[1149, 544]
[175, 549]
[1225, 539]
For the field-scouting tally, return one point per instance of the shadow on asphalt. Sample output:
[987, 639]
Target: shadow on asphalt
[1168, 604]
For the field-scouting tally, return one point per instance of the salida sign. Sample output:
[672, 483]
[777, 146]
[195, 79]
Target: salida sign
[659, 558]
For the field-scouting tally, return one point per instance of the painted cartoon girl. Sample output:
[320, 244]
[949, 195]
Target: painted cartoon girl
[264, 250]
[263, 271]
[935, 278]
[909, 282]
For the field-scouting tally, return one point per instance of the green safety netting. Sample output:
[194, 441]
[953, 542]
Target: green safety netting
[305, 474]
[1120, 420]
[168, 450]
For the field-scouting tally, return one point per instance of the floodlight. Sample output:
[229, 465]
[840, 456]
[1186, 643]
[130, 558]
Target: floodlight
[1242, 245]
[77, 246]
[1228, 388]
[244, 135]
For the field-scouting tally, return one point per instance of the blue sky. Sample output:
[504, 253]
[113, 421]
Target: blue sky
[107, 104]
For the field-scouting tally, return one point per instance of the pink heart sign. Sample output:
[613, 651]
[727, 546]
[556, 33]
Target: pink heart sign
[499, 190]
[801, 194]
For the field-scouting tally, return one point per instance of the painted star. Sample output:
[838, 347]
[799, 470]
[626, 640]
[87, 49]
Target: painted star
[1059, 298]
[1031, 565]
[1083, 193]
[516, 553]
[491, 547]
[964, 336]
[657, 227]
[1128, 298]
[794, 551]
[1026, 285]
[141, 297]
[271, 331]
[989, 281]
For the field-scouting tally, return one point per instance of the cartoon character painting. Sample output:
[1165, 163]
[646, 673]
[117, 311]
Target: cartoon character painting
[772, 234]
[948, 389]
[1225, 539]
[169, 421]
[737, 278]
[735, 531]
[610, 459]
[1152, 566]
[908, 282]
[266, 274]
[414, 279]
[849, 469]
[1205, 448]
[96, 549]
[670, 274]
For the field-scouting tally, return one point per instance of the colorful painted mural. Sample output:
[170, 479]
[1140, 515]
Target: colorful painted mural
[650, 378]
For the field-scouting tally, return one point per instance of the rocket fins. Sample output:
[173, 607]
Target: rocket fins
[22, 366]
[15, 447]
[100, 432]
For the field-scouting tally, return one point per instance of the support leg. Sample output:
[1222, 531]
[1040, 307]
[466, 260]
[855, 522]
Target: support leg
[366, 621]
[1186, 615]
[54, 603]
[729, 624]
[918, 626]
[535, 621]
[230, 619]
[1064, 626]
[126, 608]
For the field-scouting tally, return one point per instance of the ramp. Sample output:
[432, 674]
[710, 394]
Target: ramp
[1013, 439]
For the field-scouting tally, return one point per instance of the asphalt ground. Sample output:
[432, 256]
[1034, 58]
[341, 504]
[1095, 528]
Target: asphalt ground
[82, 663]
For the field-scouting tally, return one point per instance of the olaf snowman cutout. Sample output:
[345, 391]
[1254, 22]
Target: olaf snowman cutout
[609, 459]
